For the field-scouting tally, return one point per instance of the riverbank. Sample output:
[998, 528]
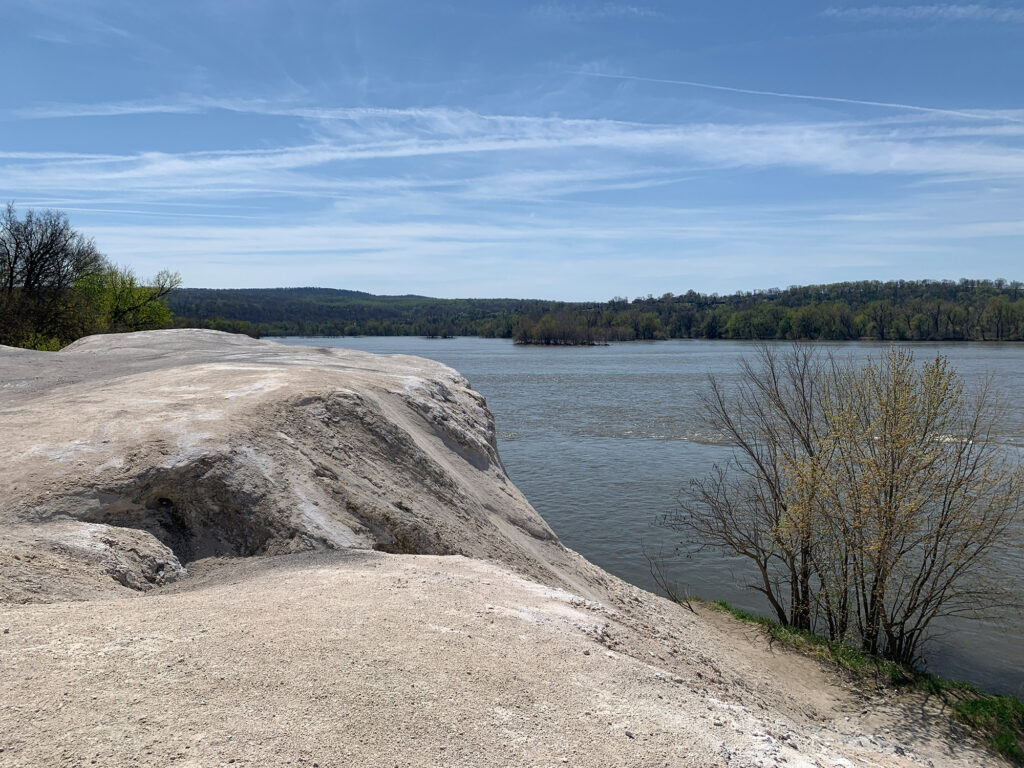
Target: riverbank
[999, 718]
[601, 440]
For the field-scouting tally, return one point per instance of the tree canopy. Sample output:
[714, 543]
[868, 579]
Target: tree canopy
[56, 286]
[919, 310]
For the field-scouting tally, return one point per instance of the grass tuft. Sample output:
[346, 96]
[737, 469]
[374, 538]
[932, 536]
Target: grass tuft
[1000, 717]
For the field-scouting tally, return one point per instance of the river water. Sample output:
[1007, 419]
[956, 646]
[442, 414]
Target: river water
[602, 439]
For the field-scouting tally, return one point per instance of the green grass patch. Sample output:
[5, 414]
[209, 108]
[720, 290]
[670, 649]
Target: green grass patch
[1000, 718]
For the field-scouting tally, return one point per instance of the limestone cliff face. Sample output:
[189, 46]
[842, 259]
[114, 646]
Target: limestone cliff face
[127, 457]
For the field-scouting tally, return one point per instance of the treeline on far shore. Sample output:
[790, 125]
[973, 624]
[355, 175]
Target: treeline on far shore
[915, 310]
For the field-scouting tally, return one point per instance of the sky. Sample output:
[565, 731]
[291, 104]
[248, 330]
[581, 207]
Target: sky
[549, 149]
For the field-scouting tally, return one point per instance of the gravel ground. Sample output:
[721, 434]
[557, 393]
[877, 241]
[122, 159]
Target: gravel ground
[368, 659]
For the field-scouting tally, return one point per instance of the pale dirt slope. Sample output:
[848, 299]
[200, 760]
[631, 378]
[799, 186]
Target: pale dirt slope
[143, 472]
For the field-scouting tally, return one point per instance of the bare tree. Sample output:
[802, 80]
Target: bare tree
[870, 498]
[751, 505]
[41, 258]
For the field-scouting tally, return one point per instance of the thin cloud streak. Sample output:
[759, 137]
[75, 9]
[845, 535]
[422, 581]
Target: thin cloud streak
[557, 147]
[48, 111]
[806, 97]
[593, 12]
[449, 120]
[946, 12]
[162, 214]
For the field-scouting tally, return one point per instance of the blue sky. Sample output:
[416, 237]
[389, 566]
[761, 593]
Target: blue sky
[570, 150]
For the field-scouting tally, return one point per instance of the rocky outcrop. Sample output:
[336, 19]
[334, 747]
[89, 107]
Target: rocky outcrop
[126, 458]
[221, 551]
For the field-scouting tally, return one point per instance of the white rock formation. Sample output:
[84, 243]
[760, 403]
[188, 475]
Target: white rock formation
[144, 474]
[127, 457]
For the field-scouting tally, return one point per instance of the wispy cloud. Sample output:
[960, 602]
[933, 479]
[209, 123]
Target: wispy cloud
[375, 193]
[592, 12]
[547, 156]
[940, 12]
[151, 213]
[78, 22]
[64, 110]
[445, 120]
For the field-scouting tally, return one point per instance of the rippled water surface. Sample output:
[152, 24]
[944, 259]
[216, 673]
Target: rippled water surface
[601, 440]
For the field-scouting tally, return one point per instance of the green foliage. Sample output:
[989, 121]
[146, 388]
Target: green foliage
[40, 342]
[55, 286]
[1001, 718]
[922, 310]
[121, 302]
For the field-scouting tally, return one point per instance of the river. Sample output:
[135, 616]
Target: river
[602, 439]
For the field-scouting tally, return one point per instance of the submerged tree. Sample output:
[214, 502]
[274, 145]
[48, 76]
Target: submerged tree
[870, 498]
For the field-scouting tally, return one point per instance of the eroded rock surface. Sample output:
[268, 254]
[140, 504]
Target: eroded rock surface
[128, 457]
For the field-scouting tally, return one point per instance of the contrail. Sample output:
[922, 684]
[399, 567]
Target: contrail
[805, 97]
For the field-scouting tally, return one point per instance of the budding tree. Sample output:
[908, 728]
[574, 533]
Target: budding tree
[870, 497]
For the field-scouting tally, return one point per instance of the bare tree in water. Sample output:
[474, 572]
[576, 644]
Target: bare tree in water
[870, 498]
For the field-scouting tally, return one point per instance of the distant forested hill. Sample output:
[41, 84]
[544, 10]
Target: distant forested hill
[969, 310]
[330, 312]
